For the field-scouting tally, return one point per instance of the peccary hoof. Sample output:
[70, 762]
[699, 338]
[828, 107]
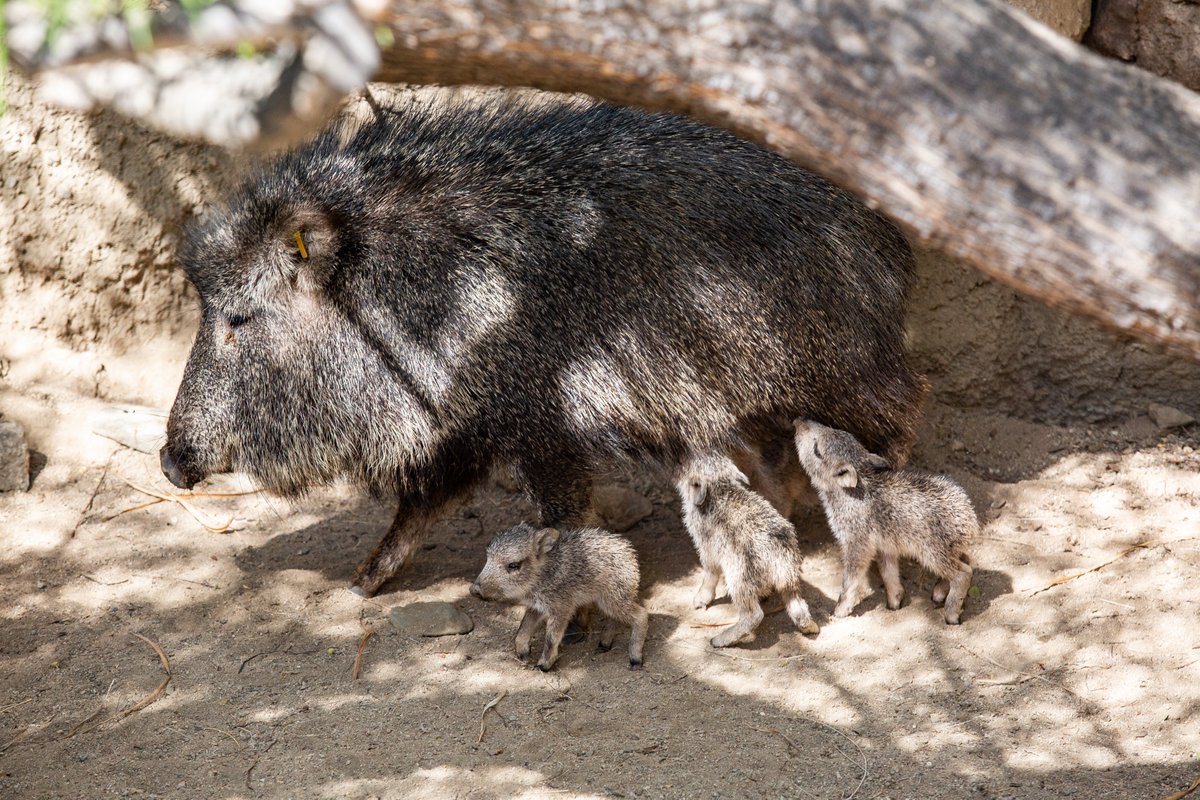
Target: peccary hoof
[634, 664]
[358, 590]
[953, 621]
[544, 667]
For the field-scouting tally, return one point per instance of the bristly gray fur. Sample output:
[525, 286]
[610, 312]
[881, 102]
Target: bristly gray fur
[880, 513]
[742, 538]
[549, 284]
[558, 573]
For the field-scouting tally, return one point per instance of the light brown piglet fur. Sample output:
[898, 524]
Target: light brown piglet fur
[555, 573]
[880, 513]
[741, 537]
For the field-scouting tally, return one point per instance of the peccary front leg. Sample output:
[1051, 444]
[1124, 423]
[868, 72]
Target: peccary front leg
[960, 584]
[750, 614]
[889, 571]
[856, 558]
[395, 549]
[707, 592]
[525, 630]
[555, 628]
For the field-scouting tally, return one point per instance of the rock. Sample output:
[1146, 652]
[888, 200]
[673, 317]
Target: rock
[957, 445]
[620, 508]
[1166, 417]
[1161, 36]
[14, 458]
[1069, 17]
[136, 427]
[430, 619]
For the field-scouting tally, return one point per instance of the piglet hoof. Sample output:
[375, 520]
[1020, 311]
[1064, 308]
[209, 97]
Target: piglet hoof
[635, 664]
[809, 628]
[894, 605]
[544, 667]
[701, 602]
[952, 619]
[842, 611]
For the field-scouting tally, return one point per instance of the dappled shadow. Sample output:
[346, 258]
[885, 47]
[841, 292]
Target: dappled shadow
[1033, 696]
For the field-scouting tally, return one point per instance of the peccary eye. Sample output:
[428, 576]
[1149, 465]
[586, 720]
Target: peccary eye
[513, 566]
[238, 320]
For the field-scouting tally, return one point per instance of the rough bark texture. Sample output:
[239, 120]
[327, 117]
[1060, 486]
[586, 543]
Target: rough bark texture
[1162, 36]
[1066, 175]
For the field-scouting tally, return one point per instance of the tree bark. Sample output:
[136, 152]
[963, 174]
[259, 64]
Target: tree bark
[1073, 178]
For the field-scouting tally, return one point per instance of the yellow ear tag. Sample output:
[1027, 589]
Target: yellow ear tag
[300, 245]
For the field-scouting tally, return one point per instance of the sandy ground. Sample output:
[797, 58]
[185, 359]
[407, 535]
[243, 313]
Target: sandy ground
[1087, 689]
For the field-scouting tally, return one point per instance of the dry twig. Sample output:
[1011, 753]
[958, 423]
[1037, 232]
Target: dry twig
[150, 698]
[724, 654]
[358, 655]
[184, 502]
[14, 705]
[490, 705]
[91, 500]
[1180, 795]
[1140, 546]
[730, 622]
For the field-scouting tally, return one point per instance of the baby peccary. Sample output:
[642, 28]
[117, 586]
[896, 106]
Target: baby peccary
[877, 512]
[741, 537]
[556, 573]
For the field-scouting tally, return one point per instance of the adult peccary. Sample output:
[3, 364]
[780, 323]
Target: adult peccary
[742, 538]
[539, 282]
[556, 573]
[880, 513]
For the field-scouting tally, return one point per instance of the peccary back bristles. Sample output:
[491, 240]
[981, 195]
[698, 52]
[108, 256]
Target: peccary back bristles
[550, 283]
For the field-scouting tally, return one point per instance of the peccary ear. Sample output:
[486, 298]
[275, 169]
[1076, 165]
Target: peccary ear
[846, 475]
[878, 463]
[307, 239]
[544, 541]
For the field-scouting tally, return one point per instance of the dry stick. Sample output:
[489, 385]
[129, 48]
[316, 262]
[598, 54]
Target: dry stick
[358, 656]
[183, 502]
[92, 499]
[727, 624]
[150, 698]
[1153, 543]
[723, 654]
[1180, 795]
[14, 705]
[490, 705]
[158, 500]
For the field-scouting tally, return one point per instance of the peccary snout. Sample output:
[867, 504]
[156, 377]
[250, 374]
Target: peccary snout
[177, 470]
[476, 591]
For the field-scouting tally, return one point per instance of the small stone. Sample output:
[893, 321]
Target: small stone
[14, 458]
[1166, 417]
[957, 445]
[999, 503]
[430, 619]
[620, 508]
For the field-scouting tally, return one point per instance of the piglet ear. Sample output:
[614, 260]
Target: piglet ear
[699, 493]
[544, 541]
[846, 476]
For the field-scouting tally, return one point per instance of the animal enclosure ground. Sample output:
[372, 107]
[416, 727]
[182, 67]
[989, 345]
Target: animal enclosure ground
[1090, 688]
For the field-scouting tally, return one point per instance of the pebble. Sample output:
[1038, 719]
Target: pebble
[432, 618]
[14, 458]
[1166, 417]
[620, 508]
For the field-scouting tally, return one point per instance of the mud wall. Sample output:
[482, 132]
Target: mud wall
[91, 301]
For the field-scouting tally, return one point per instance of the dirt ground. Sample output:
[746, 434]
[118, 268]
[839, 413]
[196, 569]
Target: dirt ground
[1087, 689]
